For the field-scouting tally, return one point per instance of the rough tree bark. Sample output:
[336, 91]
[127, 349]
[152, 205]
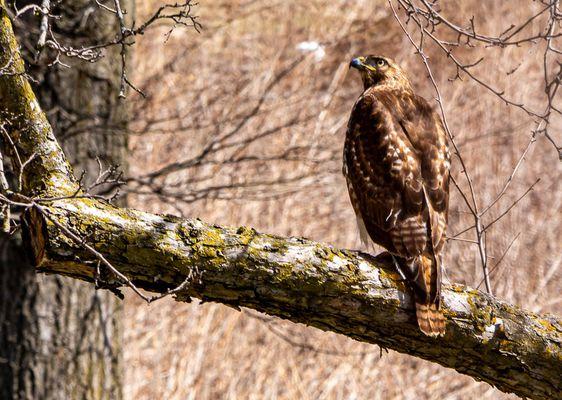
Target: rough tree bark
[60, 338]
[307, 282]
[293, 278]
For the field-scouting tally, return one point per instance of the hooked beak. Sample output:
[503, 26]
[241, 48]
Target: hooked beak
[357, 63]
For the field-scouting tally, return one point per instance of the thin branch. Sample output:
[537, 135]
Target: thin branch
[508, 209]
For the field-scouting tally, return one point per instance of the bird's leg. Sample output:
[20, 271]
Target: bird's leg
[399, 269]
[385, 258]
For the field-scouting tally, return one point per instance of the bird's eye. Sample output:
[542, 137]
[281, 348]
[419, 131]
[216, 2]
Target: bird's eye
[381, 63]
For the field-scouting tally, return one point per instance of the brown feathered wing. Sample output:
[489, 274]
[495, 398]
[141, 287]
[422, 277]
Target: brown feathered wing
[396, 163]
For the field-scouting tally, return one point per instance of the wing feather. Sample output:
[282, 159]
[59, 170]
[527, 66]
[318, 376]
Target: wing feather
[425, 131]
[397, 168]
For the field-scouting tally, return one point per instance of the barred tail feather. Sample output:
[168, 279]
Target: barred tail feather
[428, 295]
[430, 319]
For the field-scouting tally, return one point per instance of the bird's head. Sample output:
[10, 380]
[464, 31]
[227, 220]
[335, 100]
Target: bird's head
[379, 70]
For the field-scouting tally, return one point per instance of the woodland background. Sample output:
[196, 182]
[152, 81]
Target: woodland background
[204, 84]
[243, 124]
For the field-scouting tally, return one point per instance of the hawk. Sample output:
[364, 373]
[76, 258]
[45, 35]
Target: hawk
[396, 163]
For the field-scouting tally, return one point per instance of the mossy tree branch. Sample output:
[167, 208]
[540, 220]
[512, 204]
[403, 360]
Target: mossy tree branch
[307, 282]
[312, 283]
[48, 171]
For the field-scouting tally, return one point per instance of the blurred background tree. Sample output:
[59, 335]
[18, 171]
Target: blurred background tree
[61, 338]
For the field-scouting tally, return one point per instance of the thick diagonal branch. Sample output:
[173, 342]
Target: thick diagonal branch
[312, 283]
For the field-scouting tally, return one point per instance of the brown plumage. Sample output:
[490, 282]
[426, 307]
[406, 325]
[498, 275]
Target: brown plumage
[396, 162]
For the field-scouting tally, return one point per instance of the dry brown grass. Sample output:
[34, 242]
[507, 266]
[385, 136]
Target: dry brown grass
[189, 351]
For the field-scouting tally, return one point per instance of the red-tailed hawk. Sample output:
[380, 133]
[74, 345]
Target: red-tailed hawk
[396, 162]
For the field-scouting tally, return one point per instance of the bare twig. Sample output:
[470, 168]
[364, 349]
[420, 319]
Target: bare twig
[432, 24]
[43, 28]
[180, 14]
[428, 18]
[4, 189]
[508, 209]
[495, 267]
[472, 204]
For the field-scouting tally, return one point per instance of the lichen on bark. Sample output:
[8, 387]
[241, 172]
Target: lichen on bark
[21, 116]
[342, 291]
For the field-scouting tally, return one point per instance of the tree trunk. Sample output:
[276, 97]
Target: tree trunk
[60, 338]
